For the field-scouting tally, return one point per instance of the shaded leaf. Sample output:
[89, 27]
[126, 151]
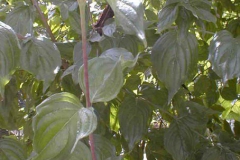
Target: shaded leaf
[103, 147]
[129, 15]
[105, 79]
[11, 149]
[179, 140]
[201, 10]
[61, 121]
[41, 58]
[81, 152]
[224, 52]
[133, 118]
[174, 59]
[215, 153]
[167, 16]
[9, 54]
[21, 19]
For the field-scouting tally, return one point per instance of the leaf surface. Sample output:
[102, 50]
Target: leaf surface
[224, 53]
[105, 79]
[174, 59]
[11, 149]
[129, 15]
[133, 120]
[60, 122]
[9, 54]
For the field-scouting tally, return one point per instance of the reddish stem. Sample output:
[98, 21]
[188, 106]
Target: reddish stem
[44, 20]
[86, 79]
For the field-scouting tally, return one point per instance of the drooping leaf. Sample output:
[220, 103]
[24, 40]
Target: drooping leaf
[9, 54]
[126, 57]
[224, 52]
[179, 140]
[129, 15]
[21, 19]
[215, 153]
[167, 16]
[174, 59]
[11, 149]
[133, 118]
[41, 58]
[81, 152]
[229, 92]
[105, 79]
[103, 147]
[60, 122]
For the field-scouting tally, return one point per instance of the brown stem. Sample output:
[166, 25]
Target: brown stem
[44, 20]
[85, 66]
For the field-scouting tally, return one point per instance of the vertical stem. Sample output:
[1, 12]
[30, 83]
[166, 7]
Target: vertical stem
[44, 20]
[82, 5]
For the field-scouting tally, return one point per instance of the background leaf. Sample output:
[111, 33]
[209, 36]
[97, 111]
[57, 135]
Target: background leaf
[224, 51]
[41, 58]
[11, 149]
[103, 147]
[81, 152]
[129, 15]
[61, 121]
[133, 118]
[105, 79]
[21, 19]
[9, 54]
[179, 140]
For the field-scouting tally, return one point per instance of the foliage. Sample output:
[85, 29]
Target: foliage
[163, 77]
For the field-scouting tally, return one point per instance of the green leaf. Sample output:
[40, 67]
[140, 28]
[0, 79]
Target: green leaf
[9, 54]
[81, 152]
[66, 49]
[77, 61]
[109, 28]
[174, 59]
[21, 19]
[105, 79]
[229, 92]
[11, 149]
[179, 140]
[167, 16]
[201, 10]
[129, 15]
[41, 58]
[215, 153]
[224, 52]
[133, 118]
[126, 57]
[103, 147]
[60, 122]
[202, 84]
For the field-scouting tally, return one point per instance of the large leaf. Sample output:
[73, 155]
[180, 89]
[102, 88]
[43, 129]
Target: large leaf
[167, 16]
[11, 149]
[129, 15]
[103, 147]
[9, 54]
[126, 57]
[105, 79]
[215, 153]
[133, 118]
[179, 140]
[21, 19]
[41, 58]
[174, 59]
[224, 54]
[60, 122]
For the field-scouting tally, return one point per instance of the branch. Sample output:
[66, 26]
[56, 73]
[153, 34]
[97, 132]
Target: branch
[82, 5]
[44, 20]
